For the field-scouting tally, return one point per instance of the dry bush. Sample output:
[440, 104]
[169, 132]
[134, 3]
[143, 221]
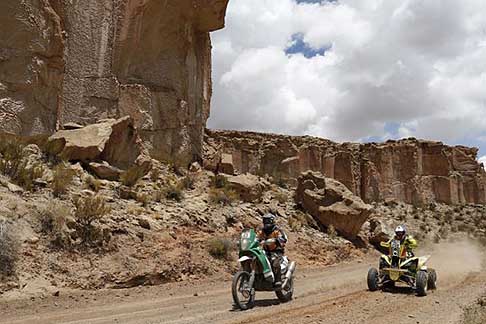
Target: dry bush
[331, 231]
[295, 224]
[220, 248]
[93, 184]
[281, 197]
[155, 174]
[189, 181]
[143, 198]
[219, 181]
[8, 250]
[222, 196]
[62, 178]
[54, 222]
[131, 176]
[89, 210]
[173, 191]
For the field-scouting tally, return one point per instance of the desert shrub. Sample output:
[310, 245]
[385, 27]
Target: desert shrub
[89, 210]
[219, 181]
[331, 231]
[222, 196]
[131, 176]
[155, 174]
[144, 198]
[189, 181]
[62, 177]
[173, 191]
[93, 184]
[8, 250]
[53, 220]
[295, 224]
[220, 248]
[281, 197]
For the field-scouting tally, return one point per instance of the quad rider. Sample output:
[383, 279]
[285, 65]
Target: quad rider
[275, 251]
[406, 240]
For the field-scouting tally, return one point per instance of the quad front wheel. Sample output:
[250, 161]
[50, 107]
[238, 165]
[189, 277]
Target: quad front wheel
[373, 279]
[243, 294]
[421, 282]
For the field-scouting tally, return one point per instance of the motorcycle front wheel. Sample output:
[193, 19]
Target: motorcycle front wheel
[243, 295]
[285, 295]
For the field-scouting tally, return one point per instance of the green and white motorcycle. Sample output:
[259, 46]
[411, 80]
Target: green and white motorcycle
[404, 267]
[256, 273]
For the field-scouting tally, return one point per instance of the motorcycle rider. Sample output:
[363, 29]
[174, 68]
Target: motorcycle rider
[275, 251]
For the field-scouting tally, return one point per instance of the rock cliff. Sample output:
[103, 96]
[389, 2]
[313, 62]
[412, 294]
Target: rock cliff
[81, 61]
[408, 170]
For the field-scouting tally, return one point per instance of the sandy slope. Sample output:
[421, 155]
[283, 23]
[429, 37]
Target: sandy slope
[332, 295]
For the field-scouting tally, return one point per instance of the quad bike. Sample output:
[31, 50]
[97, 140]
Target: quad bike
[257, 274]
[402, 266]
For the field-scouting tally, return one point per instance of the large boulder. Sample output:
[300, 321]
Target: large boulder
[331, 203]
[113, 141]
[249, 187]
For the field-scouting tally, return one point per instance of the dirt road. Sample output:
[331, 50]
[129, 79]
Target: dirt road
[332, 295]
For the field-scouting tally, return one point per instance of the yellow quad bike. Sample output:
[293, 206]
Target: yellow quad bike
[402, 266]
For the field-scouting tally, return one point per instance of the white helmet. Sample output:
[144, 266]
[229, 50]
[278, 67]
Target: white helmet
[400, 232]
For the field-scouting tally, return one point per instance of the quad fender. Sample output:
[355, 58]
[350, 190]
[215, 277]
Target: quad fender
[385, 244]
[422, 261]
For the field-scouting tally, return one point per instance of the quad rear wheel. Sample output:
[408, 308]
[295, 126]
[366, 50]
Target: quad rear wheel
[432, 279]
[243, 294]
[373, 279]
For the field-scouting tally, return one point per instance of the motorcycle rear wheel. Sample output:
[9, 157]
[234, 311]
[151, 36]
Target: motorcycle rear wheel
[238, 290]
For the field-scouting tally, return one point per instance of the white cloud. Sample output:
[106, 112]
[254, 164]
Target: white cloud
[483, 161]
[418, 64]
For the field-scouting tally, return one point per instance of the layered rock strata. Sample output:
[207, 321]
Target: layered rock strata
[81, 61]
[408, 170]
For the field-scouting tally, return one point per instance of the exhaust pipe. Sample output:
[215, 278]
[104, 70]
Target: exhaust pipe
[289, 274]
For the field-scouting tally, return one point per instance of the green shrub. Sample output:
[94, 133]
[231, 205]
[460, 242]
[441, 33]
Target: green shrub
[8, 250]
[220, 248]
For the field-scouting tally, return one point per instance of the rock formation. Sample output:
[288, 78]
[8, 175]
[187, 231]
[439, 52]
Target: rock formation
[331, 203]
[409, 170]
[78, 62]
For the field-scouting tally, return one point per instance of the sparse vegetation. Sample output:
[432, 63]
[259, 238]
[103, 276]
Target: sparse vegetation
[144, 198]
[220, 248]
[8, 250]
[173, 191]
[222, 196]
[54, 222]
[155, 174]
[281, 196]
[62, 177]
[93, 184]
[219, 181]
[189, 181]
[89, 210]
[131, 176]
[331, 231]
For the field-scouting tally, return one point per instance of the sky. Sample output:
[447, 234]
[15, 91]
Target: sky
[353, 70]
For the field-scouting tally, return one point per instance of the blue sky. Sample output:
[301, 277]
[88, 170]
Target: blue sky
[353, 70]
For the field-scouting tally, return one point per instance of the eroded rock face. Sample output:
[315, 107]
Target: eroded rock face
[331, 203]
[78, 62]
[409, 170]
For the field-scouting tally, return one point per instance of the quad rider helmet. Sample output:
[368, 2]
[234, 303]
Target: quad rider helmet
[400, 232]
[268, 223]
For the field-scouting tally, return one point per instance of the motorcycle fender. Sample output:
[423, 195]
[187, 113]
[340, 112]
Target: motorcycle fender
[244, 258]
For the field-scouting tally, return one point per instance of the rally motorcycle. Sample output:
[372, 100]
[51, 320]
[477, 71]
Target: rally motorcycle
[256, 272]
[402, 266]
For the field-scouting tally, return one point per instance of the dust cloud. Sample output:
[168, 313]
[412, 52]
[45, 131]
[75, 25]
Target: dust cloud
[455, 259]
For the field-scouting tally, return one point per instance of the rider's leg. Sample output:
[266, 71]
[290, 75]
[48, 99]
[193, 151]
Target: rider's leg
[277, 270]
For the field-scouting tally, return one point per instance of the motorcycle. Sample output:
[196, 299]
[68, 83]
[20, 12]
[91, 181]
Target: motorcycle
[256, 272]
[402, 266]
